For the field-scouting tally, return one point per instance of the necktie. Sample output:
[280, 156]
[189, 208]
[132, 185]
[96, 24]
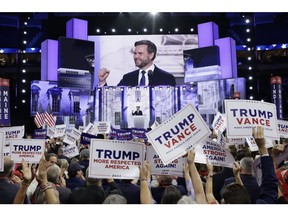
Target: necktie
[142, 80]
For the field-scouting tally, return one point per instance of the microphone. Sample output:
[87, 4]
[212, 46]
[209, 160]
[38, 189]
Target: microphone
[150, 74]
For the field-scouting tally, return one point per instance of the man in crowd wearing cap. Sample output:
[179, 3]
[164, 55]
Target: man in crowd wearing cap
[76, 176]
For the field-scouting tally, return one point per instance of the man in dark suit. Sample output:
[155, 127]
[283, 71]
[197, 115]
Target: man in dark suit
[247, 177]
[147, 74]
[8, 190]
[138, 111]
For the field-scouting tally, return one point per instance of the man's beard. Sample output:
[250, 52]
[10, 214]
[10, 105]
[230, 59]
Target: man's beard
[141, 63]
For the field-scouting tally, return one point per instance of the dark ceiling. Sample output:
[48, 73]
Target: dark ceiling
[269, 28]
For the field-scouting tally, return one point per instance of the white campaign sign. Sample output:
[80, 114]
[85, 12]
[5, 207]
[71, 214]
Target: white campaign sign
[69, 139]
[70, 150]
[214, 152]
[76, 133]
[243, 115]
[175, 168]
[16, 132]
[283, 128]
[252, 144]
[219, 123]
[31, 150]
[2, 143]
[115, 159]
[101, 127]
[179, 133]
[89, 129]
[60, 130]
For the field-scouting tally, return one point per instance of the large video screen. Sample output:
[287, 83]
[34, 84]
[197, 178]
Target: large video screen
[115, 52]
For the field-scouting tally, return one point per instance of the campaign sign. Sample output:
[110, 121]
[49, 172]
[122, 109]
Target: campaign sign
[180, 132]
[221, 139]
[115, 159]
[139, 133]
[174, 168]
[85, 138]
[214, 152]
[283, 128]
[81, 129]
[51, 132]
[235, 141]
[69, 139]
[16, 132]
[31, 150]
[101, 127]
[2, 144]
[252, 144]
[124, 134]
[70, 150]
[219, 123]
[89, 129]
[243, 115]
[40, 134]
[60, 130]
[76, 133]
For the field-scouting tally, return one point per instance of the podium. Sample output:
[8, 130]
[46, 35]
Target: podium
[139, 121]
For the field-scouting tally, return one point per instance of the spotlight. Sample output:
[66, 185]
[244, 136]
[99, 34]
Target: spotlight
[250, 77]
[251, 87]
[129, 30]
[113, 30]
[25, 32]
[251, 97]
[160, 29]
[23, 71]
[98, 30]
[23, 81]
[23, 90]
[176, 29]
[247, 30]
[250, 68]
[247, 21]
[191, 29]
[23, 101]
[145, 29]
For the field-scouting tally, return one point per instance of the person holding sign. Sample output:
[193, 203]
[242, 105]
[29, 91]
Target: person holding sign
[237, 194]
[196, 180]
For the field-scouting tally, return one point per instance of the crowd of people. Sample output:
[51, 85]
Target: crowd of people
[58, 179]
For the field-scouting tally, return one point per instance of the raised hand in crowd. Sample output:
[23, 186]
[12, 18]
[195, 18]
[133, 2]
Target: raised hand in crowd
[46, 187]
[145, 193]
[188, 181]
[209, 184]
[196, 180]
[27, 177]
[258, 134]
[236, 171]
[269, 183]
